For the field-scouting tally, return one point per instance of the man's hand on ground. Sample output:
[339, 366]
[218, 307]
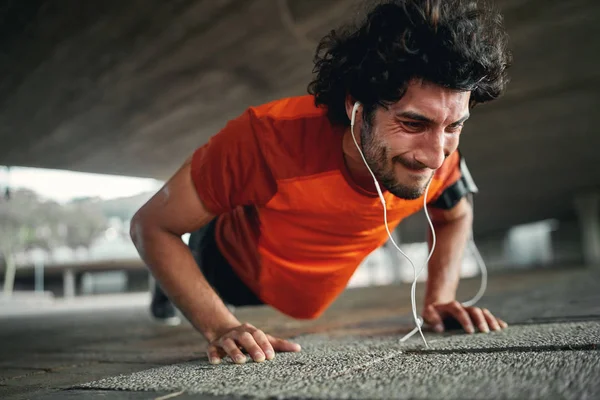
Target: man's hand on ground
[438, 314]
[246, 337]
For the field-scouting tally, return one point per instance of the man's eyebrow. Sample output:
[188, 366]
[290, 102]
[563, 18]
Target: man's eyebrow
[419, 117]
[460, 121]
[415, 116]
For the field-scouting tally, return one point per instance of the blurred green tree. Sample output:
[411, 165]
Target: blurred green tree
[28, 222]
[84, 222]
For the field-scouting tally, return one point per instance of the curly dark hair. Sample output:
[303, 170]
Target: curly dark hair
[457, 44]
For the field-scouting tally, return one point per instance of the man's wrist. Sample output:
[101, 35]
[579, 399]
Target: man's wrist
[439, 297]
[441, 289]
[221, 326]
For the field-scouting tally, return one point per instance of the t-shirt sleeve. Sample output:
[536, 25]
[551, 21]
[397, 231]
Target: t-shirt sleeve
[231, 170]
[449, 173]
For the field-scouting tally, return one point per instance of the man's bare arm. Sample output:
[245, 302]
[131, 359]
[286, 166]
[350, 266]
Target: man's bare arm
[452, 228]
[156, 230]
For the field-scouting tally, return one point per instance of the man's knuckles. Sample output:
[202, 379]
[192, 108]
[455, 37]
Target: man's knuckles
[245, 336]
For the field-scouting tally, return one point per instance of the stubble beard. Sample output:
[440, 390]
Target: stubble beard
[376, 154]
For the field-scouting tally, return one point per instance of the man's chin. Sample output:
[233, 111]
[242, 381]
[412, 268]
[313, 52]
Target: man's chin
[406, 192]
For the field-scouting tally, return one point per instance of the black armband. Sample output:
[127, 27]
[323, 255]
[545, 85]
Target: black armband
[452, 195]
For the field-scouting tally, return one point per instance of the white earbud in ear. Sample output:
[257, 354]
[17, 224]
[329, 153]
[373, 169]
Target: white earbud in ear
[354, 110]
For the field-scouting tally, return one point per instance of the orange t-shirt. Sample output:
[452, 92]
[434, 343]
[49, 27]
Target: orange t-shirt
[291, 222]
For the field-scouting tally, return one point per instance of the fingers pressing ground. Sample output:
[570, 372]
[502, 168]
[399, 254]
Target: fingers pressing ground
[433, 318]
[233, 351]
[265, 345]
[479, 319]
[213, 355]
[462, 316]
[491, 320]
[248, 343]
[283, 345]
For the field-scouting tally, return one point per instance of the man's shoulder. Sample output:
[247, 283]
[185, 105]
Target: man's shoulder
[296, 136]
[294, 123]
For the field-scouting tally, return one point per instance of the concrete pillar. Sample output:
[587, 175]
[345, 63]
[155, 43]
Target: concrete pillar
[69, 283]
[39, 275]
[588, 211]
[9, 274]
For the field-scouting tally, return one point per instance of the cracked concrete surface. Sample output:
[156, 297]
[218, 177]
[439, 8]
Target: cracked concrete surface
[559, 361]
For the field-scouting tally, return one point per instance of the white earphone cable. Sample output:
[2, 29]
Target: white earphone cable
[473, 247]
[417, 319]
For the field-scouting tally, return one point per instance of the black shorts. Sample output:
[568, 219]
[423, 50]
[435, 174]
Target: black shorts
[217, 270]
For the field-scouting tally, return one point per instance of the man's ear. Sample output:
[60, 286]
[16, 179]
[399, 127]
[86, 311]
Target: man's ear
[349, 105]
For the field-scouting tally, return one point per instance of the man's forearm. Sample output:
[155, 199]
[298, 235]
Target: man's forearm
[173, 265]
[444, 266]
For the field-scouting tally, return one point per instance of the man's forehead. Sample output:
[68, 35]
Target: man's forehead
[433, 101]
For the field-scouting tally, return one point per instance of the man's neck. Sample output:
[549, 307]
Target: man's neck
[356, 166]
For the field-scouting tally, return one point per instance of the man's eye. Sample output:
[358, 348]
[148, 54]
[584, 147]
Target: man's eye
[455, 128]
[413, 126]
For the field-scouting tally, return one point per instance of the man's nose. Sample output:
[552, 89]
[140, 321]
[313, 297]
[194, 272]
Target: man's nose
[431, 150]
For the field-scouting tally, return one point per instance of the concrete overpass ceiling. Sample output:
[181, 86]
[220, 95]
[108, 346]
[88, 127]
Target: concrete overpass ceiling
[132, 87]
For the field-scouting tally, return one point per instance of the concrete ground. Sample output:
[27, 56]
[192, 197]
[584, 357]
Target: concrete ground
[550, 349]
